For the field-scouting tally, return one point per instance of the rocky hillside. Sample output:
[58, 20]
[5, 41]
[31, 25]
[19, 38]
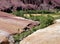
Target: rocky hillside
[13, 5]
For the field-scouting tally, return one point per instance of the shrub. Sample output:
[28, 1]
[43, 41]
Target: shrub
[46, 21]
[19, 13]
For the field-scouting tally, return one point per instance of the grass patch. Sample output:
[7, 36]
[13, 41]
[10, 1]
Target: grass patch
[44, 22]
[45, 18]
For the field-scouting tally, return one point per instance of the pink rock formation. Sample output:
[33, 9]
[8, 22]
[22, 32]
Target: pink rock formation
[13, 5]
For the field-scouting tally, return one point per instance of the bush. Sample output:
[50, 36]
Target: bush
[19, 13]
[22, 35]
[46, 21]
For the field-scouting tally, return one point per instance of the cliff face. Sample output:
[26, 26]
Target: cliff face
[14, 5]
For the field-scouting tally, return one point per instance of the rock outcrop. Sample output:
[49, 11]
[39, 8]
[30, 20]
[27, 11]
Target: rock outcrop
[13, 5]
[49, 35]
[6, 38]
[11, 23]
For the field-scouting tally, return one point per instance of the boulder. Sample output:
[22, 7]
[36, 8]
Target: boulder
[6, 38]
